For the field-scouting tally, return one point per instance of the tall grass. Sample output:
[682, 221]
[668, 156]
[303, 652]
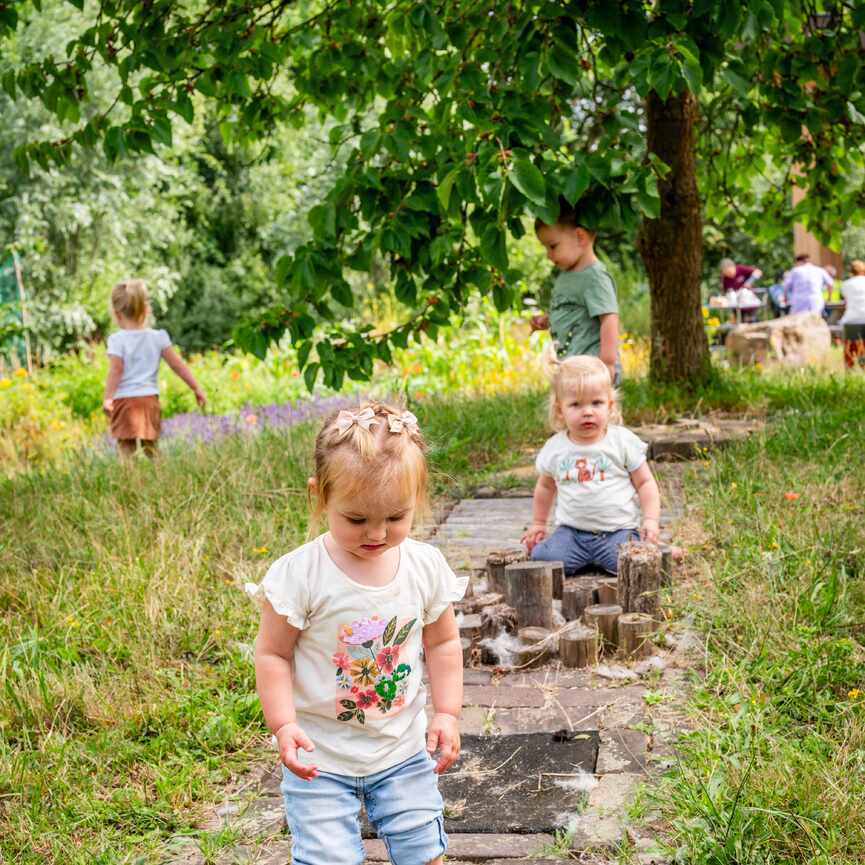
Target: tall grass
[775, 772]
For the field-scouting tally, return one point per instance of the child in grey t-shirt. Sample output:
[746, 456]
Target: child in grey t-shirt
[595, 471]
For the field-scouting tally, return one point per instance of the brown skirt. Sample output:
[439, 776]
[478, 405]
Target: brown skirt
[136, 417]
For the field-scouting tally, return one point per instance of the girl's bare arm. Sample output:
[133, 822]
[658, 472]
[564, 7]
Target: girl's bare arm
[182, 371]
[444, 661]
[115, 373]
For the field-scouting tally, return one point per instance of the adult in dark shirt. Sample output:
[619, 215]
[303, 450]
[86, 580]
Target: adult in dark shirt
[735, 276]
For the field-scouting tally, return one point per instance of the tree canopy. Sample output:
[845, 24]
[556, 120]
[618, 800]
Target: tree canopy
[457, 122]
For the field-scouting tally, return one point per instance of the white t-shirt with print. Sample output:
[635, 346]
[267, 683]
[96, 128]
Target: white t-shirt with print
[594, 491]
[140, 351]
[358, 677]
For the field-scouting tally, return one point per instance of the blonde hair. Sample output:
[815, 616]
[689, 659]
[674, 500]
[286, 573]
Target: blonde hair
[355, 457]
[130, 299]
[574, 375]
[857, 266]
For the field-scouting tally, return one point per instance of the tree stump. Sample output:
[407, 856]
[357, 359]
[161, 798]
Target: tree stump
[496, 562]
[494, 620]
[604, 617]
[635, 631]
[608, 590]
[466, 644]
[666, 564]
[533, 635]
[532, 655]
[558, 569]
[577, 594]
[476, 603]
[530, 592]
[470, 626]
[578, 646]
[639, 578]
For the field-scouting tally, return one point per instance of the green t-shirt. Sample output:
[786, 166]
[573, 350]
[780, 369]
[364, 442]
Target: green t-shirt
[579, 298]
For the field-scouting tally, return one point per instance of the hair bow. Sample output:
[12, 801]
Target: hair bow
[345, 420]
[397, 422]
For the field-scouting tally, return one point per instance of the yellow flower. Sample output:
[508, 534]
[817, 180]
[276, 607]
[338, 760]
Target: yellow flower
[364, 671]
[21, 372]
[854, 694]
[261, 551]
[5, 382]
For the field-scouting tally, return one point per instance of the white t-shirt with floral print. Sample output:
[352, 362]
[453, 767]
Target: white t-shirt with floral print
[358, 678]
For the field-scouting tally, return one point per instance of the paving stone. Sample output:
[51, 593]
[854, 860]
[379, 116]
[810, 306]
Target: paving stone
[182, 851]
[276, 853]
[482, 721]
[476, 847]
[590, 832]
[614, 791]
[546, 695]
[621, 751]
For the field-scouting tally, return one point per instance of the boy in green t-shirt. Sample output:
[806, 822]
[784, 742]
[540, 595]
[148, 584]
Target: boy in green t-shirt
[584, 314]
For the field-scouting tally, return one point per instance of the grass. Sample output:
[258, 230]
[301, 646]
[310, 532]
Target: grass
[126, 689]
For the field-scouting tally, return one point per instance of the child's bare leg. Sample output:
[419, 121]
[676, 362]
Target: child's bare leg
[127, 447]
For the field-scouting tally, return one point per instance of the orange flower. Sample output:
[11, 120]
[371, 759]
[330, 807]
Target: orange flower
[791, 496]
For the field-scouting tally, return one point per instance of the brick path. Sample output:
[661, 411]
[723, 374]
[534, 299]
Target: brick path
[635, 736]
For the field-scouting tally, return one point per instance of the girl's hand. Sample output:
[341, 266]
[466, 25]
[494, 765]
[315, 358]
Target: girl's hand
[290, 737]
[649, 531]
[108, 406]
[443, 734]
[200, 398]
[535, 534]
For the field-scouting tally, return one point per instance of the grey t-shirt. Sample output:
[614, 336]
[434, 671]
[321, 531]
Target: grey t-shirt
[579, 297]
[140, 351]
[594, 491]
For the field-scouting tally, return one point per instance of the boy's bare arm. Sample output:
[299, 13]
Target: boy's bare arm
[609, 341]
[177, 365]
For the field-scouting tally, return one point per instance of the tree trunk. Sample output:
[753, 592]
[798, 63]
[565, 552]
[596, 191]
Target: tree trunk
[672, 245]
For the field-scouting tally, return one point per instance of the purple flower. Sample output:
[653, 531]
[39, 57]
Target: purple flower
[363, 631]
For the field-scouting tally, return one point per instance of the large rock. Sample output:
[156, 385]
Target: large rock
[794, 340]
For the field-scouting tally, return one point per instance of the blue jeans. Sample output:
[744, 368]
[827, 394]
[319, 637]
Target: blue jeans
[403, 804]
[578, 549]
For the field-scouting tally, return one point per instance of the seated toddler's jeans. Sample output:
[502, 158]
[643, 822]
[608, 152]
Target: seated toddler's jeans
[403, 804]
[579, 549]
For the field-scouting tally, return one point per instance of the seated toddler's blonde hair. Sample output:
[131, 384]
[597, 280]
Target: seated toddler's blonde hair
[573, 375]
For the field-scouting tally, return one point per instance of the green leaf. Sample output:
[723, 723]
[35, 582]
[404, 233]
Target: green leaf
[494, 247]
[360, 715]
[183, 107]
[348, 704]
[345, 716]
[563, 63]
[9, 83]
[650, 205]
[443, 191]
[855, 115]
[527, 178]
[303, 352]
[576, 183]
[404, 631]
[310, 374]
[388, 631]
[342, 293]
[503, 296]
[251, 339]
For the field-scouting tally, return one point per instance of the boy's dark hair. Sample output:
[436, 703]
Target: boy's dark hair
[569, 217]
[803, 256]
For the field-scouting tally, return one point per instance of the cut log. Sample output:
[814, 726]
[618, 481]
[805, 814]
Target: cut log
[666, 564]
[532, 655]
[604, 617]
[530, 592]
[470, 626]
[478, 602]
[639, 578]
[558, 569]
[496, 562]
[532, 635]
[466, 644]
[577, 594]
[578, 646]
[635, 631]
[608, 590]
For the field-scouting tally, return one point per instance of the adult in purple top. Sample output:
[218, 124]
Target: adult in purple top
[804, 286]
[735, 276]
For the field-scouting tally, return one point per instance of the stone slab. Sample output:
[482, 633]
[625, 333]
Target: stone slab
[622, 751]
[477, 848]
[543, 695]
[484, 721]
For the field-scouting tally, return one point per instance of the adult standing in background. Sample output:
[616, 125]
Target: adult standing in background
[853, 320]
[804, 286]
[736, 276]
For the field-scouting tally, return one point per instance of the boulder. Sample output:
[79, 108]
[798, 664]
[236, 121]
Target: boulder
[794, 340]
